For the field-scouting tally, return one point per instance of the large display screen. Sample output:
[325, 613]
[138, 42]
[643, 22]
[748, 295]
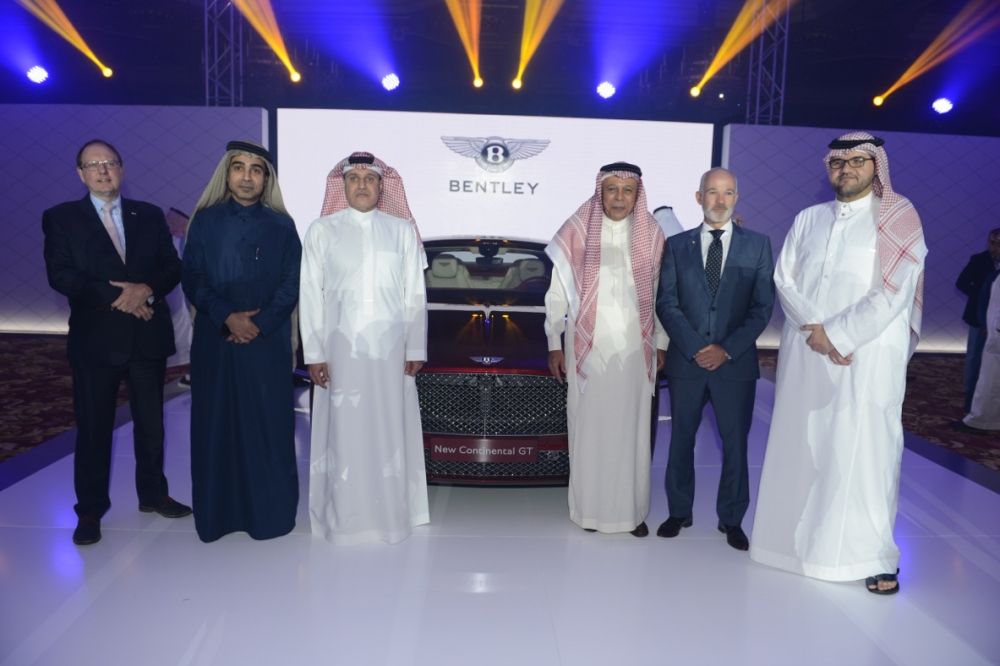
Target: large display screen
[483, 175]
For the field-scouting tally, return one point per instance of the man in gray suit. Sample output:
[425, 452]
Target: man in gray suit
[715, 298]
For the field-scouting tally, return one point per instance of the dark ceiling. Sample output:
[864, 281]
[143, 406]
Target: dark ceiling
[840, 54]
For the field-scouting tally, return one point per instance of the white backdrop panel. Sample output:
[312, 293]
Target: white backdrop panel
[451, 194]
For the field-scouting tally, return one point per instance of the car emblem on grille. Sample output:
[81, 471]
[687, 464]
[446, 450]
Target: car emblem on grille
[487, 360]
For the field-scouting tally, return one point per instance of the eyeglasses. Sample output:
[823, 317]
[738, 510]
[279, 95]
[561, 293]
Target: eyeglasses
[110, 165]
[856, 162]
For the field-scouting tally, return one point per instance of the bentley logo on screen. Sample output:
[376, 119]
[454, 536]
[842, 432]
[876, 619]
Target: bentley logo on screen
[494, 153]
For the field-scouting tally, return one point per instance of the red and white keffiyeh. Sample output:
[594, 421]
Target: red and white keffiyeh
[577, 246]
[901, 245]
[392, 201]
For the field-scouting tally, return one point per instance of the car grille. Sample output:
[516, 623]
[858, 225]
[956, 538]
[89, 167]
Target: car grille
[553, 465]
[484, 404]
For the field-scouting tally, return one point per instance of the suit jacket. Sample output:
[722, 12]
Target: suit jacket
[733, 318]
[80, 259]
[970, 281]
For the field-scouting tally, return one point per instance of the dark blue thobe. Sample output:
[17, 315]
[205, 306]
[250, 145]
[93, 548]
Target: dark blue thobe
[242, 413]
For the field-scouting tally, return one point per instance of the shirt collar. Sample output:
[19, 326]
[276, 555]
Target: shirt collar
[864, 202]
[99, 203]
[726, 228]
[235, 208]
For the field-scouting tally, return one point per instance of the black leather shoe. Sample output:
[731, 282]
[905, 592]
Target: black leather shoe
[735, 536]
[641, 530]
[167, 507]
[88, 531]
[671, 527]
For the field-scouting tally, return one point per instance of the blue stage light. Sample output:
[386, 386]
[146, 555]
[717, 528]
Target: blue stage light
[942, 105]
[390, 81]
[605, 90]
[37, 74]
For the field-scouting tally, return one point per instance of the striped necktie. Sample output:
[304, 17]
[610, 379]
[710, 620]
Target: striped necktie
[109, 225]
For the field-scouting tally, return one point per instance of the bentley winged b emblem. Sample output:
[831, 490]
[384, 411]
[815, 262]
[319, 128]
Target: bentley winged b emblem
[487, 360]
[495, 153]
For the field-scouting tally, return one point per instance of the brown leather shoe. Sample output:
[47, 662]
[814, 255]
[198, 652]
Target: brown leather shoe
[641, 530]
[671, 527]
[735, 536]
[88, 531]
[167, 507]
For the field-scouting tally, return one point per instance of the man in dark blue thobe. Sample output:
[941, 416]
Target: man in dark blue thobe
[241, 274]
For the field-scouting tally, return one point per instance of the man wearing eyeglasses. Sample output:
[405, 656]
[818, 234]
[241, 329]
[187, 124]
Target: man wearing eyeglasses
[115, 261]
[850, 281]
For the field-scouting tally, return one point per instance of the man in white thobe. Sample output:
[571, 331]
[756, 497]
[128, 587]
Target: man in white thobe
[363, 320]
[606, 259]
[849, 278]
[985, 411]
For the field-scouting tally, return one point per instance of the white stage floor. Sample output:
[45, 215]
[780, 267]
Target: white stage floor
[500, 576]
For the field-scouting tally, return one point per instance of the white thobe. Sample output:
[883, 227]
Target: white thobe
[609, 423]
[363, 312]
[830, 481]
[985, 412]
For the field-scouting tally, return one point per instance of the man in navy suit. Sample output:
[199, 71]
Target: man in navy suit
[115, 261]
[715, 298]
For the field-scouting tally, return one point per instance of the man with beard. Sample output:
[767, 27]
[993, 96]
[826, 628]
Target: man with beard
[716, 296]
[850, 280]
[241, 273]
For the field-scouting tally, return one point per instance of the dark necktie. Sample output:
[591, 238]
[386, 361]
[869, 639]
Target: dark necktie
[713, 265]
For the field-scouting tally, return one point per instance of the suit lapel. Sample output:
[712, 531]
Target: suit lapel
[692, 246]
[735, 247]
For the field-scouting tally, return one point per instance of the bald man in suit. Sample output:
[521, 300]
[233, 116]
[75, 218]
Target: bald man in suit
[115, 261]
[716, 296]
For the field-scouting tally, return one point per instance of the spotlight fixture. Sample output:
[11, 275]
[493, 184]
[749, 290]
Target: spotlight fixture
[516, 83]
[695, 91]
[37, 74]
[605, 90]
[942, 105]
[878, 100]
[478, 82]
[296, 77]
[107, 72]
[390, 81]
[722, 95]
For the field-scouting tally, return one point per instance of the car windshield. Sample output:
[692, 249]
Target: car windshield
[487, 271]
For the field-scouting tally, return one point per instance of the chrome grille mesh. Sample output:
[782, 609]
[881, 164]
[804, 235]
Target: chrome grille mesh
[486, 404]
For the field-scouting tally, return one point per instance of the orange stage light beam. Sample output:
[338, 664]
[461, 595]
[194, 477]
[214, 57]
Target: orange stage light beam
[49, 13]
[968, 27]
[261, 16]
[467, 16]
[743, 31]
[538, 16]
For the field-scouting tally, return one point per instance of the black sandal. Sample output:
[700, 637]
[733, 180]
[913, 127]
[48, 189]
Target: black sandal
[872, 583]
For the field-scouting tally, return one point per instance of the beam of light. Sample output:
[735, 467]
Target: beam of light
[538, 16]
[37, 74]
[605, 90]
[625, 42]
[975, 20]
[467, 16]
[942, 105]
[390, 81]
[743, 31]
[260, 15]
[49, 13]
